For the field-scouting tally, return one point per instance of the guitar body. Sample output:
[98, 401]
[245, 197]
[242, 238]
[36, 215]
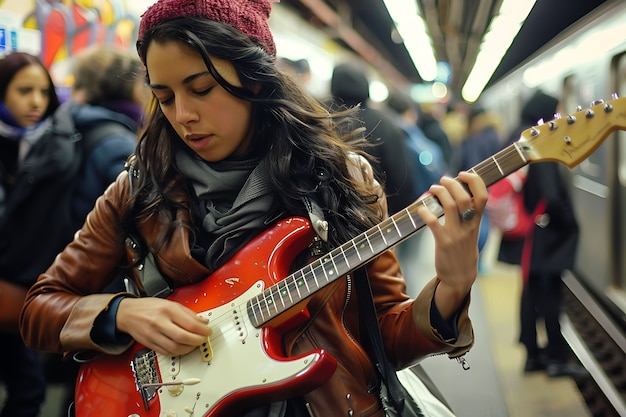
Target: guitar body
[240, 366]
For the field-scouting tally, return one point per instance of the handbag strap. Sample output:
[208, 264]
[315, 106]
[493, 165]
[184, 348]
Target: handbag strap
[369, 321]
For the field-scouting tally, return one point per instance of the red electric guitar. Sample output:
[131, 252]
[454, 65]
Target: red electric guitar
[250, 300]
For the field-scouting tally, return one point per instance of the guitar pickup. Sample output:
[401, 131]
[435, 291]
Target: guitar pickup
[206, 351]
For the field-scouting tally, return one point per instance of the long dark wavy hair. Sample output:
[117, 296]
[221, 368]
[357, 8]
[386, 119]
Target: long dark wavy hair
[307, 154]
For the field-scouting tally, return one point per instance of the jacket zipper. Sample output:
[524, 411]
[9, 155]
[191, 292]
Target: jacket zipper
[345, 306]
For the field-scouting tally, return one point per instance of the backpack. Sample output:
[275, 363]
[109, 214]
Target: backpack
[37, 221]
[505, 206]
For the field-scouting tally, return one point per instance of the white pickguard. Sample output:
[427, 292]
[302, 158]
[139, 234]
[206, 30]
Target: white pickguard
[239, 362]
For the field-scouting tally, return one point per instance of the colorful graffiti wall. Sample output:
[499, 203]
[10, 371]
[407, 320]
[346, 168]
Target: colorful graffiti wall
[69, 26]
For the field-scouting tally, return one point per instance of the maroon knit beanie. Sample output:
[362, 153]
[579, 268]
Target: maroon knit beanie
[248, 16]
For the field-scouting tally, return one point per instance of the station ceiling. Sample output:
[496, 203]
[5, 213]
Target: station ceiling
[456, 27]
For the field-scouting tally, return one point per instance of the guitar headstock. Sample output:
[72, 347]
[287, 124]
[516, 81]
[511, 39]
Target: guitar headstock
[572, 138]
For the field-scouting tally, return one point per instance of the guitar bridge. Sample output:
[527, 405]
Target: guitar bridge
[146, 376]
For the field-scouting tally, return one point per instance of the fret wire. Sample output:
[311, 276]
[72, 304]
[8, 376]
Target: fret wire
[298, 286]
[405, 223]
[356, 249]
[378, 238]
[268, 301]
[395, 225]
[495, 161]
[273, 298]
[381, 235]
[352, 254]
[278, 288]
[335, 269]
[343, 252]
[270, 295]
[290, 278]
[348, 250]
[507, 160]
[260, 309]
[368, 241]
[408, 212]
[305, 279]
[317, 284]
[293, 289]
[322, 264]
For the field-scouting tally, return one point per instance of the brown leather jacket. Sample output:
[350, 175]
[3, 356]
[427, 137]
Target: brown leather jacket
[61, 308]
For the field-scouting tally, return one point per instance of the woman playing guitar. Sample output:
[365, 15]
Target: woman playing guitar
[239, 179]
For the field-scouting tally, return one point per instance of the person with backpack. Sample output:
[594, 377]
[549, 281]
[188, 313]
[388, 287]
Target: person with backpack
[28, 101]
[110, 89]
[239, 167]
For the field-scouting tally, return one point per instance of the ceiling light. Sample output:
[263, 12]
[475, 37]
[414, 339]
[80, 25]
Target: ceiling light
[412, 29]
[500, 34]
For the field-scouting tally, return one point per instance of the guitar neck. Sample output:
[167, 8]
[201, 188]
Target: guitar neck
[498, 166]
[357, 252]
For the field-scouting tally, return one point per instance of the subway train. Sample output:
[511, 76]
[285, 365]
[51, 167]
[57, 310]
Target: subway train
[584, 65]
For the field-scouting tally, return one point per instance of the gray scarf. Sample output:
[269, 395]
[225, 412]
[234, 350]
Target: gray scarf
[236, 202]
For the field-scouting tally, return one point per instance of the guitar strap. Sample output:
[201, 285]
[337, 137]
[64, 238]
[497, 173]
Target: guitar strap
[153, 282]
[316, 215]
[319, 224]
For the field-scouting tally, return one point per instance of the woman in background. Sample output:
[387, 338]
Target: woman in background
[28, 101]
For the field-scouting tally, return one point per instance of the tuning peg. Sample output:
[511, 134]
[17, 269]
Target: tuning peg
[571, 119]
[589, 114]
[596, 102]
[614, 96]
